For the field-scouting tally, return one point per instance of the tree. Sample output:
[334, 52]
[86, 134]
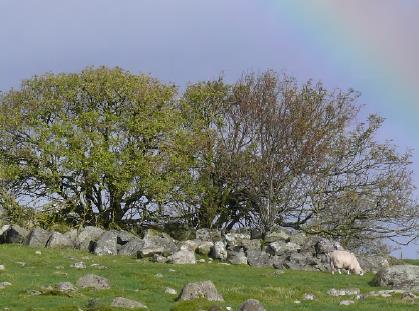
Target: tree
[283, 154]
[104, 143]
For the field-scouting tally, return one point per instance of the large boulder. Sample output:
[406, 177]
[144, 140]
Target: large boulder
[254, 244]
[324, 246]
[131, 248]
[235, 239]
[156, 242]
[107, 244]
[276, 235]
[38, 237]
[59, 240]
[197, 290]
[237, 257]
[13, 234]
[219, 251]
[123, 237]
[281, 248]
[87, 236]
[404, 277]
[301, 261]
[204, 247]
[184, 256]
[121, 302]
[259, 258]
[372, 263]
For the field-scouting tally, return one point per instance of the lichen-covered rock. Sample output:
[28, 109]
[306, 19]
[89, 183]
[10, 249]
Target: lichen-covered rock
[219, 251]
[156, 242]
[254, 244]
[184, 256]
[277, 235]
[404, 277]
[107, 244]
[324, 246]
[13, 234]
[251, 305]
[131, 248]
[237, 257]
[121, 302]
[204, 248]
[343, 292]
[87, 236]
[93, 281]
[259, 258]
[197, 290]
[235, 239]
[191, 245]
[208, 235]
[38, 237]
[59, 240]
[372, 263]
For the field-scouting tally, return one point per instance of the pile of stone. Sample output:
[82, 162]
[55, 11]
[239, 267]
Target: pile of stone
[281, 248]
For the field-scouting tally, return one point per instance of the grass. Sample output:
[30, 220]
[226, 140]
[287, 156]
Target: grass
[136, 279]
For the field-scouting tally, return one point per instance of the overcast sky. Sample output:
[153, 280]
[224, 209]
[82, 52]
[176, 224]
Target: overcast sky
[371, 46]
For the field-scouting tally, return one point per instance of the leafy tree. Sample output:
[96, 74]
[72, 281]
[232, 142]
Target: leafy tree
[104, 143]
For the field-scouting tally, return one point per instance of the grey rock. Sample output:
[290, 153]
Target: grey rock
[346, 302]
[259, 259]
[170, 291]
[277, 235]
[107, 244]
[204, 248]
[159, 258]
[59, 240]
[234, 239]
[343, 292]
[123, 237]
[208, 235]
[72, 235]
[131, 248]
[219, 251]
[251, 305]
[372, 263]
[93, 281]
[5, 284]
[121, 302]
[254, 244]
[308, 296]
[237, 257]
[404, 277]
[191, 245]
[78, 265]
[324, 246]
[299, 238]
[13, 234]
[65, 287]
[156, 242]
[87, 236]
[38, 237]
[183, 256]
[277, 248]
[204, 290]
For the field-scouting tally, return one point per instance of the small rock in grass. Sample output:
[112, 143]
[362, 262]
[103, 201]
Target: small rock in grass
[120, 302]
[158, 275]
[59, 267]
[38, 253]
[98, 266]
[251, 305]
[79, 265]
[21, 263]
[346, 302]
[5, 284]
[93, 281]
[229, 308]
[343, 292]
[297, 301]
[201, 260]
[33, 292]
[204, 290]
[172, 270]
[170, 291]
[65, 287]
[309, 297]
[2, 268]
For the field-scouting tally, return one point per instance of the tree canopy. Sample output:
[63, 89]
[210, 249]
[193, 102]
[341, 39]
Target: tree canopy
[112, 147]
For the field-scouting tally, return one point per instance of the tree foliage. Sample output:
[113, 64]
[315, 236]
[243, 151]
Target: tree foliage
[111, 146]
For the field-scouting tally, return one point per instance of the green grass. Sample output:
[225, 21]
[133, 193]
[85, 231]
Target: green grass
[137, 280]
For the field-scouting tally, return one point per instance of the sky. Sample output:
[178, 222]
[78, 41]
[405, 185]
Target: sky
[371, 46]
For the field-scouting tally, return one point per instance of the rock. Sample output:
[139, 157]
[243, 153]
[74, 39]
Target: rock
[78, 265]
[123, 237]
[120, 302]
[237, 257]
[309, 297]
[13, 234]
[324, 246]
[87, 236]
[235, 238]
[219, 251]
[247, 245]
[107, 244]
[259, 259]
[372, 263]
[65, 287]
[157, 243]
[300, 261]
[170, 291]
[158, 275]
[204, 290]
[159, 258]
[276, 248]
[38, 237]
[5, 284]
[343, 292]
[208, 235]
[204, 248]
[93, 281]
[215, 308]
[251, 305]
[277, 235]
[131, 248]
[404, 277]
[179, 231]
[72, 235]
[38, 253]
[346, 302]
[184, 256]
[59, 240]
[191, 245]
[299, 238]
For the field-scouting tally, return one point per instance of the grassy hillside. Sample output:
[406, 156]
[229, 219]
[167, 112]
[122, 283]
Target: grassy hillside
[139, 280]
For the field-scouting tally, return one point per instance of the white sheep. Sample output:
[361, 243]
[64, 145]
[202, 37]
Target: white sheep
[340, 259]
